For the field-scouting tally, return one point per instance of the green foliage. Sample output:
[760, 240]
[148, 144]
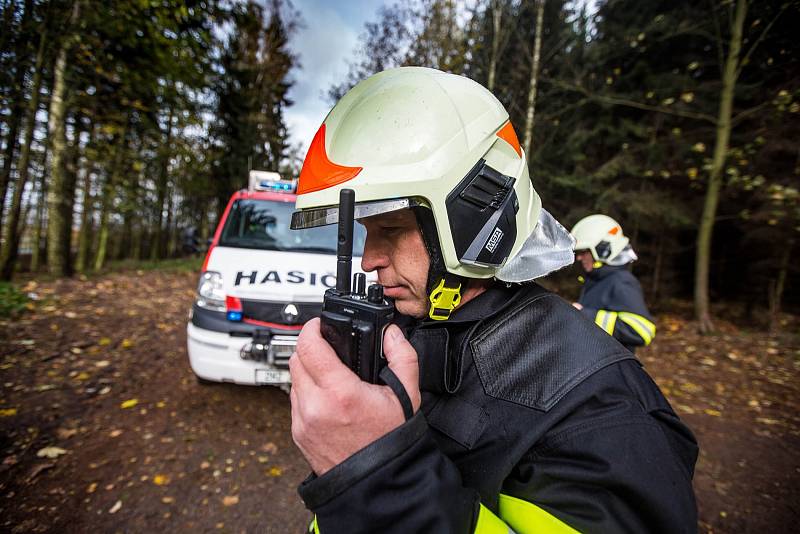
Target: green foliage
[251, 94]
[626, 118]
[12, 300]
[169, 102]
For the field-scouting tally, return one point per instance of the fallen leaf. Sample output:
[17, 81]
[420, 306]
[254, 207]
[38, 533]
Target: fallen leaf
[114, 509]
[126, 343]
[168, 500]
[104, 341]
[38, 469]
[767, 421]
[102, 363]
[130, 403]
[92, 487]
[714, 413]
[115, 433]
[275, 472]
[270, 448]
[230, 500]
[160, 480]
[82, 376]
[66, 433]
[51, 452]
[205, 465]
[8, 412]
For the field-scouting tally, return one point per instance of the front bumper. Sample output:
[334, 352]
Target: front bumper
[217, 350]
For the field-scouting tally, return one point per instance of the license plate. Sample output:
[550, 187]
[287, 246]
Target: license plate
[272, 376]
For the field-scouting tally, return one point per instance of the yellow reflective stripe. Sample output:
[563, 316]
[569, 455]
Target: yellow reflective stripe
[526, 518]
[606, 320]
[642, 326]
[488, 523]
[313, 526]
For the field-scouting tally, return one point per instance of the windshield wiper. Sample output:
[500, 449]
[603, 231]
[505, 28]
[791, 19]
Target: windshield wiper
[326, 250]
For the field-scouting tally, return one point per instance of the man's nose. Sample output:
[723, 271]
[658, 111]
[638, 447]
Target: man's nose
[375, 255]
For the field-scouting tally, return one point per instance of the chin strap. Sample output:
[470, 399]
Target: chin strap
[444, 288]
[445, 297]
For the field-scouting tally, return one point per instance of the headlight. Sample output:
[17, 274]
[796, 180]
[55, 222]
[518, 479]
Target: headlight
[210, 293]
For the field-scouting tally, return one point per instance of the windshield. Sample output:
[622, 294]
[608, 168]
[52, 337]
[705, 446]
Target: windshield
[264, 224]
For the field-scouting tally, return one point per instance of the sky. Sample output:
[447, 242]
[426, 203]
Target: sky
[324, 45]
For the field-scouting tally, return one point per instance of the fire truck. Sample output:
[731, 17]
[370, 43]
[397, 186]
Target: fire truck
[260, 282]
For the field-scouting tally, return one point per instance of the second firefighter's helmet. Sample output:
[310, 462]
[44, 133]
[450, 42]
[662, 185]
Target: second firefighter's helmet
[443, 145]
[601, 235]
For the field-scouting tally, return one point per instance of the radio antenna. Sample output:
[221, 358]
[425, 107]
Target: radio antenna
[344, 249]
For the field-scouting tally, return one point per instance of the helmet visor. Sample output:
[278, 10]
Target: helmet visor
[313, 217]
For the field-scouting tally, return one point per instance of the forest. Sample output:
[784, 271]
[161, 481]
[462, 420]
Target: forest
[125, 124]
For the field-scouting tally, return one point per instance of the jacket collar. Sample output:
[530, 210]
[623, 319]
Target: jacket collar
[602, 272]
[440, 344]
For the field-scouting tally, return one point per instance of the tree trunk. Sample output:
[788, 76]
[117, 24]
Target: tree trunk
[777, 287]
[109, 190]
[703, 258]
[40, 213]
[170, 233]
[656, 282]
[158, 245]
[57, 250]
[497, 18]
[10, 248]
[68, 200]
[87, 214]
[537, 49]
[17, 107]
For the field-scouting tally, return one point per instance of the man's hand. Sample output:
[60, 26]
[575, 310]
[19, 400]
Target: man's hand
[334, 413]
[577, 305]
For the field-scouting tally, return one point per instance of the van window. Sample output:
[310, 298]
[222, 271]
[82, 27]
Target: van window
[264, 224]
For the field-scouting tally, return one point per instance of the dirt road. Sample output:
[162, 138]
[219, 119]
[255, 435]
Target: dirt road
[103, 427]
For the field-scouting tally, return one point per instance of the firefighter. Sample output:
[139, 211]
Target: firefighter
[504, 410]
[611, 295]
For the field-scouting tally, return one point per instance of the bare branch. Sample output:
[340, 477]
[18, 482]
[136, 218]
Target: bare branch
[746, 113]
[718, 40]
[619, 101]
[761, 37]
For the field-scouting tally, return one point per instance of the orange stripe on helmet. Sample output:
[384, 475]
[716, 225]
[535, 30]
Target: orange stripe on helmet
[318, 171]
[614, 230]
[508, 135]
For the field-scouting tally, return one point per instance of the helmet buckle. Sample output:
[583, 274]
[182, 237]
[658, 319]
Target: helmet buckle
[443, 301]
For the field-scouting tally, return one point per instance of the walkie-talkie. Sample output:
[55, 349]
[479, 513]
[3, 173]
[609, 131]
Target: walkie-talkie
[353, 322]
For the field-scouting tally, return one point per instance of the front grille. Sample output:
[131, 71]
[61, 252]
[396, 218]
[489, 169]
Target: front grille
[273, 312]
[281, 350]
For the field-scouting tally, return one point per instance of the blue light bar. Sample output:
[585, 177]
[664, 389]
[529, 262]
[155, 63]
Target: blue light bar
[269, 185]
[235, 316]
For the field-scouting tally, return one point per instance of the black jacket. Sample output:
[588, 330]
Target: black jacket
[532, 420]
[612, 298]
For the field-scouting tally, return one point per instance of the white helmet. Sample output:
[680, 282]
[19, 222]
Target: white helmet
[442, 145]
[601, 235]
